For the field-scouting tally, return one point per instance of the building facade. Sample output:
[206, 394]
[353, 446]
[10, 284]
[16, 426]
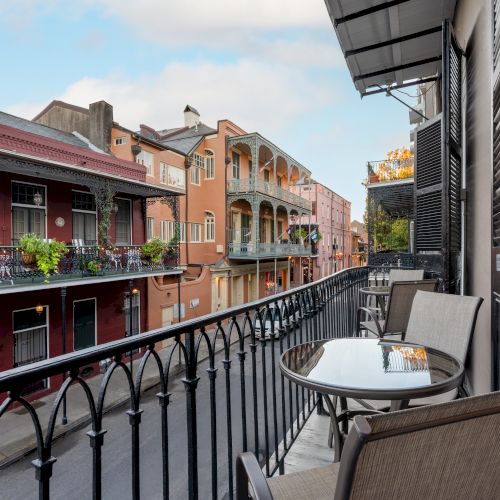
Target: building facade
[58, 187]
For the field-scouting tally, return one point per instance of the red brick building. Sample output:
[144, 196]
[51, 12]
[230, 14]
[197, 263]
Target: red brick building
[59, 186]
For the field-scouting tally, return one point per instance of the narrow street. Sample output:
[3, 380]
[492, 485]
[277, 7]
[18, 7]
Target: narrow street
[72, 473]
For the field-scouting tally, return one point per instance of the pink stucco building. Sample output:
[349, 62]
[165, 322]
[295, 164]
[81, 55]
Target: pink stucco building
[331, 216]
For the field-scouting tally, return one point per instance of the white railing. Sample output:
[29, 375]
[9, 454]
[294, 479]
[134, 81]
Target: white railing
[267, 249]
[259, 186]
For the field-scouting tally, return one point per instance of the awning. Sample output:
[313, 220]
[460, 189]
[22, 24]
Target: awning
[390, 42]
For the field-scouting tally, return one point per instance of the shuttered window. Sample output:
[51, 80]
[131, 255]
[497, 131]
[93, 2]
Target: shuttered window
[496, 165]
[496, 33]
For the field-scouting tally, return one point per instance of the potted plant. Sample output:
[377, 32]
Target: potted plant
[47, 254]
[94, 267]
[153, 250]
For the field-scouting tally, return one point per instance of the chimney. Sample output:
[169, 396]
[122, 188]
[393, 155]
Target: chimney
[191, 117]
[101, 123]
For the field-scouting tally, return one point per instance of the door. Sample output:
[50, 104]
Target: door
[84, 324]
[167, 318]
[237, 295]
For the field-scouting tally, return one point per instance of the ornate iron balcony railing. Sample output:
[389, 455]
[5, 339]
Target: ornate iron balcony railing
[80, 262]
[260, 186]
[390, 170]
[248, 405]
[267, 249]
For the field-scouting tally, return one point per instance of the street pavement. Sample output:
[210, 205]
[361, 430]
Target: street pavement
[72, 474]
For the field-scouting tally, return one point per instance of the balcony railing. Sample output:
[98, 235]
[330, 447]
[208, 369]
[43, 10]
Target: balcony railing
[390, 170]
[234, 400]
[267, 249]
[259, 186]
[17, 268]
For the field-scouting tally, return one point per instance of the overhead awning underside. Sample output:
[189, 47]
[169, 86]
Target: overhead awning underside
[390, 42]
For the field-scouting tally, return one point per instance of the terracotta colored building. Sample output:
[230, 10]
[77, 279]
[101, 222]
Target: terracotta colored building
[233, 222]
[58, 186]
[331, 215]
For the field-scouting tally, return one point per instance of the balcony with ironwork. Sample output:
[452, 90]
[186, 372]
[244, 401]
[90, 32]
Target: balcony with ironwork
[393, 172]
[170, 423]
[82, 265]
[241, 186]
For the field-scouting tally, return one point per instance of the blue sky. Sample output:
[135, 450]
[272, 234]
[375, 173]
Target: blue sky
[273, 67]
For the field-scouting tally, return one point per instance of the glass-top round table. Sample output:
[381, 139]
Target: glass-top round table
[379, 292]
[372, 369]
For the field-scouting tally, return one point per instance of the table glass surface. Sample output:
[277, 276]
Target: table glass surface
[369, 364]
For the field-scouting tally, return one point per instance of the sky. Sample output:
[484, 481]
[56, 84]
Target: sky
[271, 66]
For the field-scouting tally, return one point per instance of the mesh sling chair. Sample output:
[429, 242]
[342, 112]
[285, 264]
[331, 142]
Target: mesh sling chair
[446, 451]
[398, 308]
[405, 275]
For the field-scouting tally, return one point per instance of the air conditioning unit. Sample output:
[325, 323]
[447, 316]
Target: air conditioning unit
[220, 248]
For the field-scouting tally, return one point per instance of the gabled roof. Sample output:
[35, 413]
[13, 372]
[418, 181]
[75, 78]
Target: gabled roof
[61, 104]
[43, 130]
[190, 108]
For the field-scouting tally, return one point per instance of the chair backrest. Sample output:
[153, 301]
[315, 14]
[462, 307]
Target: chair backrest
[405, 275]
[400, 302]
[446, 451]
[445, 322]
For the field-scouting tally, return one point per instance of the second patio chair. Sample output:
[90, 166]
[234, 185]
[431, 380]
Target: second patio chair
[447, 451]
[398, 308]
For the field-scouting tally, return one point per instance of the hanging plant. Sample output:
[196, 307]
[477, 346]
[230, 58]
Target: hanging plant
[153, 250]
[47, 254]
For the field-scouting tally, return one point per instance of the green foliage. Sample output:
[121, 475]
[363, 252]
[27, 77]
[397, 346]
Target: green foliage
[47, 254]
[300, 233]
[153, 250]
[93, 266]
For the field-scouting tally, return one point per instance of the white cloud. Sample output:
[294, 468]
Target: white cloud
[256, 95]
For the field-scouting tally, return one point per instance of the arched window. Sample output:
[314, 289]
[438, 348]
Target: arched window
[209, 226]
[209, 164]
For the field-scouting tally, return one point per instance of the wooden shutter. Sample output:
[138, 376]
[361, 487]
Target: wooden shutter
[496, 33]
[438, 175]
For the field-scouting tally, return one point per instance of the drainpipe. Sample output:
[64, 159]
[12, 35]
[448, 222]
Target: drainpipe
[64, 419]
[187, 164]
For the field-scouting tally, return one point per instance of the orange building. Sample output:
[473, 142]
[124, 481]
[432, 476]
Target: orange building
[233, 222]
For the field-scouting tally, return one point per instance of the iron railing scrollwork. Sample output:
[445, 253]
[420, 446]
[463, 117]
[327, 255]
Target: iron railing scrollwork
[260, 410]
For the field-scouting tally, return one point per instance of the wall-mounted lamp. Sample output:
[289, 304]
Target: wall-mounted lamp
[39, 308]
[134, 291]
[37, 199]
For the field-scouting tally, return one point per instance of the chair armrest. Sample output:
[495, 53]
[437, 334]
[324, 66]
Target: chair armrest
[361, 310]
[248, 471]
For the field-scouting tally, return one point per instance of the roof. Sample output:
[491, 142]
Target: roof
[390, 42]
[38, 129]
[61, 104]
[187, 139]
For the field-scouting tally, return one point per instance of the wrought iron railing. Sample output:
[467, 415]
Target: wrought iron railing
[81, 261]
[248, 405]
[390, 170]
[260, 186]
[392, 259]
[267, 249]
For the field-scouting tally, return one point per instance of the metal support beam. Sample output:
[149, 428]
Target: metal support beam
[367, 12]
[64, 419]
[403, 85]
[405, 38]
[397, 68]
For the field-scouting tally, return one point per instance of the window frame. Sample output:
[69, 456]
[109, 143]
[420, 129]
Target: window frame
[130, 222]
[209, 226]
[200, 235]
[209, 159]
[81, 211]
[236, 165]
[23, 205]
[150, 228]
[150, 169]
[195, 177]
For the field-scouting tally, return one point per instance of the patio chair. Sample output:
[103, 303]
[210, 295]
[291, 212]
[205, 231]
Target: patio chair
[114, 259]
[447, 451]
[134, 259]
[398, 308]
[444, 322]
[405, 275]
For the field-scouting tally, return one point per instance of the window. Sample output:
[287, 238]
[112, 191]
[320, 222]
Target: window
[195, 235]
[209, 164]
[146, 158]
[198, 161]
[123, 224]
[167, 230]
[209, 226]
[84, 323]
[266, 175]
[236, 165]
[28, 210]
[173, 176]
[119, 141]
[195, 175]
[182, 232]
[84, 218]
[279, 181]
[150, 228]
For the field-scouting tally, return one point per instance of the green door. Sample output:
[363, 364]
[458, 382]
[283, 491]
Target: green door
[84, 331]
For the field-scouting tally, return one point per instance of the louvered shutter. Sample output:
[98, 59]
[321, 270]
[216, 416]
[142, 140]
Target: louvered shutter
[438, 175]
[496, 33]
